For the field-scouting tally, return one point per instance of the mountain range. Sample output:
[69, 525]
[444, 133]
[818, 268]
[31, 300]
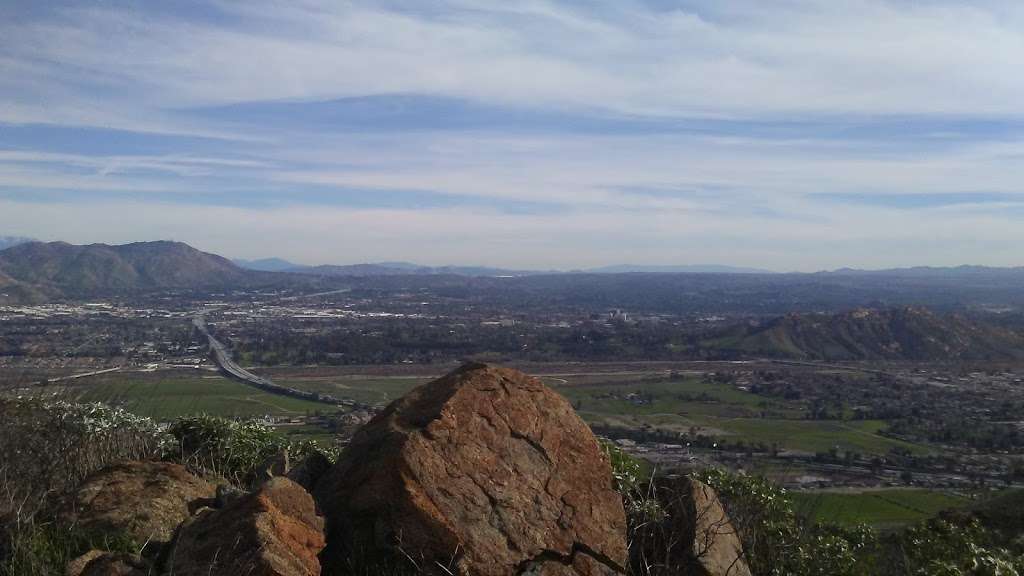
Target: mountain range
[393, 268]
[35, 271]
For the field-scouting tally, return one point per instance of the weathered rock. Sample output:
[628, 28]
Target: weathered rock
[99, 563]
[701, 520]
[144, 500]
[485, 471]
[274, 531]
[309, 470]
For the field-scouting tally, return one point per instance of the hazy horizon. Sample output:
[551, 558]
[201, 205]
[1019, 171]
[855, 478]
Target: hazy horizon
[803, 136]
[609, 267]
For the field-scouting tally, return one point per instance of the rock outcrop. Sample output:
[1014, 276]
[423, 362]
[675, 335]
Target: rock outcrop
[144, 500]
[485, 472]
[274, 531]
[700, 519]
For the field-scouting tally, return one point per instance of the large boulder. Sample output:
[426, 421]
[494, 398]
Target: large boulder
[703, 523]
[274, 531]
[485, 472]
[143, 500]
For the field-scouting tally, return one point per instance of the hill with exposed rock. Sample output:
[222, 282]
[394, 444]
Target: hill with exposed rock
[906, 333]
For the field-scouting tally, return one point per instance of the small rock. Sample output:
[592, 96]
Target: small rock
[77, 566]
[701, 519]
[272, 532]
[145, 500]
[99, 563]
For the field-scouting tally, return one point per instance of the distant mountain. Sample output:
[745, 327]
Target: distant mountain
[908, 333]
[681, 269]
[54, 269]
[269, 265]
[934, 272]
[8, 241]
[406, 268]
[396, 268]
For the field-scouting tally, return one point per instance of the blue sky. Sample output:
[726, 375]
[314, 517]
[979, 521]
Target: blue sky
[790, 135]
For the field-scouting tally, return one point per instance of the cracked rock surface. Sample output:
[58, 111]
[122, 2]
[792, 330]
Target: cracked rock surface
[485, 471]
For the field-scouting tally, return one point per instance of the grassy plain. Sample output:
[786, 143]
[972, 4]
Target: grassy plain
[880, 508]
[167, 394]
[651, 399]
[680, 404]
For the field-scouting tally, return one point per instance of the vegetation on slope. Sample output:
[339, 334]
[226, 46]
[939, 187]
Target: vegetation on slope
[47, 447]
[909, 333]
[777, 540]
[61, 268]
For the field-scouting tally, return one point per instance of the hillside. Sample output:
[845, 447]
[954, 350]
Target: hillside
[57, 268]
[907, 333]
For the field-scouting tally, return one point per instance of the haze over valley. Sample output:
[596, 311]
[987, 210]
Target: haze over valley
[538, 288]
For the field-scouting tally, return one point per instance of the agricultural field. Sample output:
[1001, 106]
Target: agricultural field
[883, 509]
[366, 388]
[168, 394]
[684, 404]
[669, 402]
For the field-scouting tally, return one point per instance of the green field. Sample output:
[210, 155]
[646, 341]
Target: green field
[367, 389]
[634, 400]
[165, 395]
[678, 405]
[881, 509]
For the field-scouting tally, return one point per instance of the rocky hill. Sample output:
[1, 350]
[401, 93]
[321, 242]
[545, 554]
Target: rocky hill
[37, 270]
[907, 333]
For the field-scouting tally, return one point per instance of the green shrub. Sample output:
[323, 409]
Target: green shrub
[778, 543]
[941, 548]
[232, 449]
[632, 480]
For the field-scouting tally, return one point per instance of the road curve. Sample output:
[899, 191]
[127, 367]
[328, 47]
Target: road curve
[231, 368]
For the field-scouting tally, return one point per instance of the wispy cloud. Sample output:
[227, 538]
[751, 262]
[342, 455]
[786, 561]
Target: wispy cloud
[528, 133]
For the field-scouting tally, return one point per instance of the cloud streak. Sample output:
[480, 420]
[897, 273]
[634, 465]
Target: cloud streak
[529, 134]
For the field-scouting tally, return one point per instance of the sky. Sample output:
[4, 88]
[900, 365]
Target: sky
[784, 134]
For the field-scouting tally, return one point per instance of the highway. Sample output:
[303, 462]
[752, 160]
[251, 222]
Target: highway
[224, 360]
[222, 357]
